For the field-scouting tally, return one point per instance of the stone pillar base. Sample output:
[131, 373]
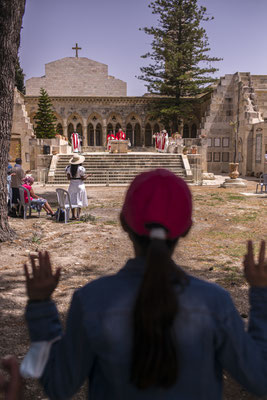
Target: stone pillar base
[238, 182]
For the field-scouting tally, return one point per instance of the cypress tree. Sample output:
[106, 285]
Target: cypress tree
[180, 67]
[19, 77]
[45, 118]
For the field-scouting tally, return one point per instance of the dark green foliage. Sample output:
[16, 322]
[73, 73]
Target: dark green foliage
[180, 66]
[45, 118]
[19, 77]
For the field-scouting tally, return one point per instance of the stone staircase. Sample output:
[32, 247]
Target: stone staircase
[119, 169]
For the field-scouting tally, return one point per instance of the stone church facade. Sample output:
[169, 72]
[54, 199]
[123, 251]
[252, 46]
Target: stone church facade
[87, 100]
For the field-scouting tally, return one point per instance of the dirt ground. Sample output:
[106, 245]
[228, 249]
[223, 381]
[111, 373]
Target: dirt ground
[223, 221]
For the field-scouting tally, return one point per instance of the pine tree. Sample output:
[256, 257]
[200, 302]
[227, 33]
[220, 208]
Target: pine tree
[45, 118]
[181, 67]
[19, 77]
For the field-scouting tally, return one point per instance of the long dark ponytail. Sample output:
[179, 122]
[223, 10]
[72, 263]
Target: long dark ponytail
[73, 170]
[155, 359]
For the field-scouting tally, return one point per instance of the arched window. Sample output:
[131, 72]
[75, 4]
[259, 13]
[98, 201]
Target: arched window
[118, 126]
[148, 135]
[186, 131]
[59, 129]
[98, 135]
[90, 135]
[110, 128]
[156, 128]
[79, 129]
[137, 135]
[70, 131]
[194, 131]
[129, 133]
[168, 129]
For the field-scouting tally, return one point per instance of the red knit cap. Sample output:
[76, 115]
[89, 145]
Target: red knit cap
[158, 197]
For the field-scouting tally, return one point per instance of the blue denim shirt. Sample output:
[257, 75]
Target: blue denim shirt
[97, 342]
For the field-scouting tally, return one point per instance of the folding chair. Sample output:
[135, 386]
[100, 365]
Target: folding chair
[25, 205]
[64, 203]
[262, 183]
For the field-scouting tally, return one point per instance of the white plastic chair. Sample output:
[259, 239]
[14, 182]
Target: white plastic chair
[262, 183]
[64, 203]
[23, 204]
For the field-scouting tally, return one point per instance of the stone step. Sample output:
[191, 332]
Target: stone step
[118, 168]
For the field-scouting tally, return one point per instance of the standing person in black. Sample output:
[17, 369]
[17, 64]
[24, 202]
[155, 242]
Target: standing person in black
[17, 174]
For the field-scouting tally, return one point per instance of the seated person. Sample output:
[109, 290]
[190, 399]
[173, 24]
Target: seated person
[37, 202]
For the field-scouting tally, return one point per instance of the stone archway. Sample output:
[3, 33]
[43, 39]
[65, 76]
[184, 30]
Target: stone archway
[59, 129]
[98, 135]
[148, 135]
[137, 135]
[90, 134]
[129, 133]
[186, 131]
[110, 128]
[70, 131]
[194, 131]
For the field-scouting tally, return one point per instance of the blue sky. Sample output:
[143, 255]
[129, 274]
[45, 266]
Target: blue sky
[108, 32]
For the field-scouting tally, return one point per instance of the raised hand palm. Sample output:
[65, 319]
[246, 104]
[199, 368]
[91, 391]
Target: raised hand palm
[42, 282]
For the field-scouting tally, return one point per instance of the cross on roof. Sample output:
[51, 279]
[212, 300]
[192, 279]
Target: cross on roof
[76, 48]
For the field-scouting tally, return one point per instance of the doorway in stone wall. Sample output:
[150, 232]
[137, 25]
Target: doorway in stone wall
[148, 135]
[70, 131]
[98, 135]
[129, 133]
[137, 135]
[90, 135]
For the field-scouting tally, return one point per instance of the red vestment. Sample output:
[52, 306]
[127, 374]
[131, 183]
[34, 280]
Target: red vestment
[109, 138]
[120, 135]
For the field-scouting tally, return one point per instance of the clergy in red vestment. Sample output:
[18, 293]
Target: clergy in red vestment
[120, 135]
[110, 137]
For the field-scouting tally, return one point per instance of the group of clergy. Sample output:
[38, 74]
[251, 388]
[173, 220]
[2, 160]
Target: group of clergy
[120, 135]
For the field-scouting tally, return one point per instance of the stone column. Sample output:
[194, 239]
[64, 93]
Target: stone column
[84, 125]
[203, 152]
[65, 128]
[142, 126]
[94, 136]
[104, 132]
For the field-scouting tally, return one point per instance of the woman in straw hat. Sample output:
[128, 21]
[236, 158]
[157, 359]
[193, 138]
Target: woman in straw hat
[76, 175]
[151, 331]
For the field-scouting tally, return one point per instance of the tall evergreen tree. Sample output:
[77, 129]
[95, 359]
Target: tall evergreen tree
[45, 118]
[180, 66]
[19, 77]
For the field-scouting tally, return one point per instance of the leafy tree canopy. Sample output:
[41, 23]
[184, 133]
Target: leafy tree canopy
[45, 118]
[180, 66]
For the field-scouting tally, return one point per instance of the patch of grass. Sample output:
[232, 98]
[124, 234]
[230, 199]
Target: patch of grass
[215, 196]
[218, 234]
[110, 222]
[231, 196]
[246, 217]
[237, 251]
[36, 238]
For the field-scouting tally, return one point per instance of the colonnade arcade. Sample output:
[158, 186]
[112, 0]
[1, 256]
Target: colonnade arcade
[95, 129]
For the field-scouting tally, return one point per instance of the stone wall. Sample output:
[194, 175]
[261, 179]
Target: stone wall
[21, 132]
[72, 76]
[105, 113]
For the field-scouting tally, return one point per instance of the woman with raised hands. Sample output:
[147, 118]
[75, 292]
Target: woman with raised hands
[151, 331]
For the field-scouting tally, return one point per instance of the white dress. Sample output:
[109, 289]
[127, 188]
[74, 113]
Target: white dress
[78, 196]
